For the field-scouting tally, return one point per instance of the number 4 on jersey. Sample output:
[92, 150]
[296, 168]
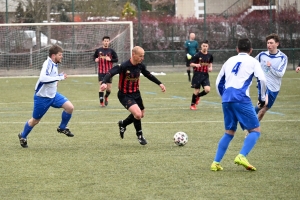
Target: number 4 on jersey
[236, 68]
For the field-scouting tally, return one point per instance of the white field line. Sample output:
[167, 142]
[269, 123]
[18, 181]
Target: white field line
[173, 122]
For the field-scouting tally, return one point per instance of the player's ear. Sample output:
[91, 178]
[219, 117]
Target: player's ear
[250, 51]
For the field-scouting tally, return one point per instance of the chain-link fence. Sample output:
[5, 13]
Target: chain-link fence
[160, 33]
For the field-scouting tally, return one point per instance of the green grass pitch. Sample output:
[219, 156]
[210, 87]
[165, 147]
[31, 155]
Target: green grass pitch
[97, 164]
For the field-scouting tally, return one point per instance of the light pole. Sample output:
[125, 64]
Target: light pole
[204, 20]
[48, 20]
[139, 21]
[6, 13]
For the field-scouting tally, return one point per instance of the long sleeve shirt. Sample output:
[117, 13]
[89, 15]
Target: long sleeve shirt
[129, 76]
[275, 72]
[46, 85]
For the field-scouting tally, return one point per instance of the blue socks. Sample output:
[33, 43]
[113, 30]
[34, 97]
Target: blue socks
[249, 143]
[26, 130]
[222, 147]
[65, 118]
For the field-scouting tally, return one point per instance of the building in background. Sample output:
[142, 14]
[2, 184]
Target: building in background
[196, 8]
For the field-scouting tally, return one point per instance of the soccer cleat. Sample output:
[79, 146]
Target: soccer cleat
[122, 128]
[242, 160]
[66, 131]
[102, 104]
[193, 107]
[215, 166]
[141, 139]
[106, 101]
[23, 141]
[197, 100]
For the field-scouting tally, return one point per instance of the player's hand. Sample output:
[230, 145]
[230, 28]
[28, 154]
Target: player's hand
[97, 60]
[163, 88]
[264, 103]
[107, 58]
[268, 64]
[261, 103]
[103, 87]
[63, 74]
[298, 69]
[209, 69]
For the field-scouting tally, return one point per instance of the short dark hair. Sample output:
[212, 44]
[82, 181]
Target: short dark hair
[204, 42]
[244, 45]
[105, 37]
[273, 36]
[55, 49]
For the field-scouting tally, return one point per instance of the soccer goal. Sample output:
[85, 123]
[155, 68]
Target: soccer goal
[24, 47]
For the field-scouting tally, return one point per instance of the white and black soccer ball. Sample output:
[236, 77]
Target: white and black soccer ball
[180, 138]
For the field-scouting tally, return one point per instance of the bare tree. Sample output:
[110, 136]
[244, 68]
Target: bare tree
[161, 2]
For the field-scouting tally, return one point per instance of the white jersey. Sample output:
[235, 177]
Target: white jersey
[235, 79]
[46, 86]
[275, 72]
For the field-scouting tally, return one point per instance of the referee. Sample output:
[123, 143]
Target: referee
[191, 48]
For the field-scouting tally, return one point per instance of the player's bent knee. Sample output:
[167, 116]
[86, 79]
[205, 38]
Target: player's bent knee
[68, 106]
[138, 116]
[207, 90]
[257, 129]
[32, 122]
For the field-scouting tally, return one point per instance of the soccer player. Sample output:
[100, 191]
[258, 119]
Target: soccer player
[46, 96]
[273, 62]
[191, 48]
[105, 57]
[202, 64]
[232, 84]
[129, 94]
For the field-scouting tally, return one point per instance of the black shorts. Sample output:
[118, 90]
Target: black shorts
[128, 100]
[101, 76]
[200, 79]
[187, 61]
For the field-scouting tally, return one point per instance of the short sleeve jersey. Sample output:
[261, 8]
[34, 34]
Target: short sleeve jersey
[204, 60]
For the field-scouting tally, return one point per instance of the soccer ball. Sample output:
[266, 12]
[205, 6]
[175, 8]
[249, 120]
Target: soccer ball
[180, 138]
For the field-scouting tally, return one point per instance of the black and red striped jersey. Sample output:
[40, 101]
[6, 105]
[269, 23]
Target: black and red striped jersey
[103, 65]
[204, 60]
[129, 76]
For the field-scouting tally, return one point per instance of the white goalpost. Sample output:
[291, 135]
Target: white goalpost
[24, 46]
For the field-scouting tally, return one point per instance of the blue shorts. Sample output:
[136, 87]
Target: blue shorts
[243, 113]
[42, 104]
[271, 97]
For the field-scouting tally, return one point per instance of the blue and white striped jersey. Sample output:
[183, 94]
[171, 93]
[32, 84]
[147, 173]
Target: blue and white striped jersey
[275, 72]
[46, 86]
[235, 79]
